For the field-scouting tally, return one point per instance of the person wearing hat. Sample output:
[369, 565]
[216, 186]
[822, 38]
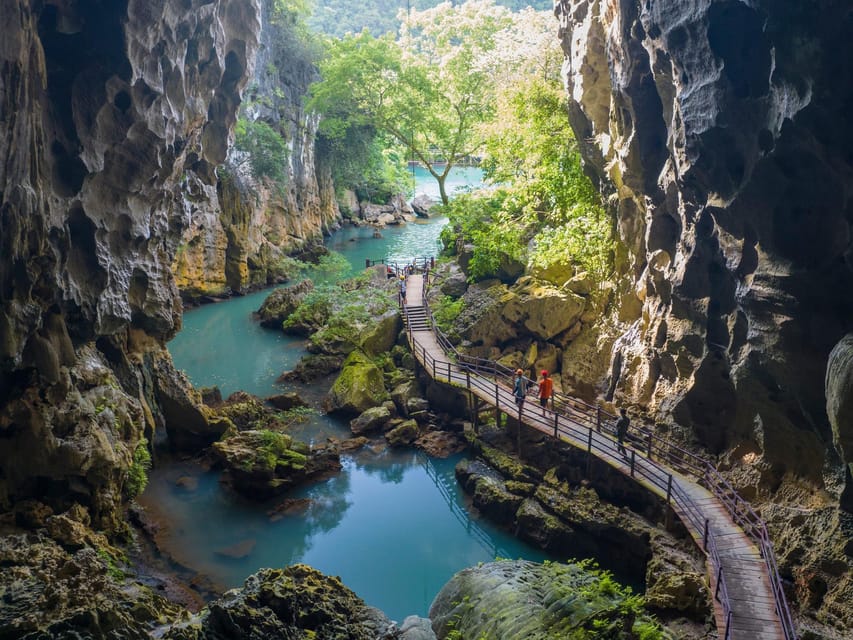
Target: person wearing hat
[546, 389]
[519, 389]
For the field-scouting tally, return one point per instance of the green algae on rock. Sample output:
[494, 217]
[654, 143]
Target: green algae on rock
[296, 602]
[359, 386]
[550, 601]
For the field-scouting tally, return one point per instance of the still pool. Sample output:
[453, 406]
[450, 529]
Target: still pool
[393, 525]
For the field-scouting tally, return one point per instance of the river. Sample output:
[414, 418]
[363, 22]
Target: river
[394, 524]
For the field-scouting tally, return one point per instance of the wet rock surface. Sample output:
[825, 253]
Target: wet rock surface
[296, 602]
[282, 302]
[724, 151]
[260, 464]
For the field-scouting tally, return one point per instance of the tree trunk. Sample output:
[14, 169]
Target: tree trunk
[441, 178]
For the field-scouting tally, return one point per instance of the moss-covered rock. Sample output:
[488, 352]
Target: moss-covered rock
[522, 599]
[373, 419]
[493, 499]
[282, 302]
[79, 591]
[381, 335]
[260, 464]
[508, 466]
[296, 602]
[403, 434]
[359, 386]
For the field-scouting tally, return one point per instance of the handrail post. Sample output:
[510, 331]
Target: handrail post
[556, 425]
[705, 536]
[589, 453]
[632, 462]
[649, 451]
[717, 589]
[468, 379]
[598, 418]
[669, 489]
[448, 371]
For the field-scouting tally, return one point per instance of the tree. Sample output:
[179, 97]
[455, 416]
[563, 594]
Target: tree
[430, 89]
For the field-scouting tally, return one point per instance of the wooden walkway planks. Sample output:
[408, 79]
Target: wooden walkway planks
[749, 592]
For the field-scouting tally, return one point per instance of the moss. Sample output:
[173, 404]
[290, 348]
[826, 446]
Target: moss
[137, 473]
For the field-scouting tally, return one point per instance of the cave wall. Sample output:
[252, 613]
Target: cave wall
[105, 108]
[720, 134]
[239, 227]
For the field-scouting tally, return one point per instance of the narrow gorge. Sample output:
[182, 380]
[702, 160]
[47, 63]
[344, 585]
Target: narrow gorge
[718, 135]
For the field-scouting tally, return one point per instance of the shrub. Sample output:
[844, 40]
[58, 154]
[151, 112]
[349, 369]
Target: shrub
[137, 474]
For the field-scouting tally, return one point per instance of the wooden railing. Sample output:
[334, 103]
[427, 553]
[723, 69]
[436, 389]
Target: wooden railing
[591, 427]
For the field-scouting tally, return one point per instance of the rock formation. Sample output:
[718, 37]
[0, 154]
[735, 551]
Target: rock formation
[720, 134]
[239, 226]
[104, 109]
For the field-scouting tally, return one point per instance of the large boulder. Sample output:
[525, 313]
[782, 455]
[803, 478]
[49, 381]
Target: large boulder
[261, 464]
[294, 602]
[359, 386]
[535, 602]
[282, 302]
[423, 206]
[404, 434]
[373, 419]
[381, 334]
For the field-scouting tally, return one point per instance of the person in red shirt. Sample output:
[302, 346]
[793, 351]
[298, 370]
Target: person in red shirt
[546, 388]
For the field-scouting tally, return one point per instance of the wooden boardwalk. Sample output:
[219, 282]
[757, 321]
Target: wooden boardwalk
[747, 599]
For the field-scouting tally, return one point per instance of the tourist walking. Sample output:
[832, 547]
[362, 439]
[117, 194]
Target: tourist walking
[622, 431]
[403, 289]
[519, 388]
[546, 389]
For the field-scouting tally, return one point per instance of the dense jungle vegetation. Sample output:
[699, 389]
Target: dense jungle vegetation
[472, 82]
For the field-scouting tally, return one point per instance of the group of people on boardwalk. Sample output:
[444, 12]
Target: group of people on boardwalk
[546, 392]
[521, 384]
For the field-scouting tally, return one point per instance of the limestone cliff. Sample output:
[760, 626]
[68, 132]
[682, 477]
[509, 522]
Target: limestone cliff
[104, 109]
[720, 132]
[239, 226]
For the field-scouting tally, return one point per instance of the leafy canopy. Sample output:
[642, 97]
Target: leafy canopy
[429, 90]
[546, 211]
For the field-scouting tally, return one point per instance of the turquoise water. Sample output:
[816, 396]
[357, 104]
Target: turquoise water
[222, 344]
[460, 179]
[393, 526]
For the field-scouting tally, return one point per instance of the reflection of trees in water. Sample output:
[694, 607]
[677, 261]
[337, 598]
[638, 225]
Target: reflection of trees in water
[329, 502]
[389, 465]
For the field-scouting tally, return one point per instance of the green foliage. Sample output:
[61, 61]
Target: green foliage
[266, 149]
[339, 17]
[113, 570]
[547, 210]
[341, 311]
[445, 310]
[428, 91]
[276, 450]
[137, 473]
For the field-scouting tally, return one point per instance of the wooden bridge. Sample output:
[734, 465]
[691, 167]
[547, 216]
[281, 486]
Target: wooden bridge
[749, 601]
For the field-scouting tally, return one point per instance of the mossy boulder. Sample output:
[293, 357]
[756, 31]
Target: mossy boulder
[373, 419]
[404, 392]
[403, 434]
[282, 302]
[523, 599]
[543, 529]
[295, 602]
[260, 464]
[359, 386]
[493, 499]
[508, 466]
[247, 412]
[381, 335]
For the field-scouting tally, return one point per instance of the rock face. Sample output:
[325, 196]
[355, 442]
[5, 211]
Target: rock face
[103, 109]
[720, 132]
[296, 602]
[238, 228]
[522, 599]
